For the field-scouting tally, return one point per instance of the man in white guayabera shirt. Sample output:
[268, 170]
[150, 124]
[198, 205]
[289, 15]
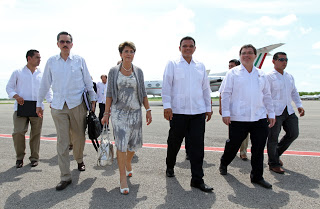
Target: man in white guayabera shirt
[246, 103]
[187, 105]
[69, 77]
[23, 86]
[283, 92]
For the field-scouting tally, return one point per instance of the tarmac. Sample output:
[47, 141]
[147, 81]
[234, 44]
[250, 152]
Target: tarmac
[98, 187]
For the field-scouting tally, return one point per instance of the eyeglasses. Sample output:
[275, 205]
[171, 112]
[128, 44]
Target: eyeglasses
[63, 41]
[283, 59]
[128, 52]
[247, 53]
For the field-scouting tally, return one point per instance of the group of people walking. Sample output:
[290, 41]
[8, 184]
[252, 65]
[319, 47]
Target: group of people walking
[251, 102]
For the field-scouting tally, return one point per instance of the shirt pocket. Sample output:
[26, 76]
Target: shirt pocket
[179, 102]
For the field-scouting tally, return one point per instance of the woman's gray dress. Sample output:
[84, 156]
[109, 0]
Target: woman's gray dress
[126, 116]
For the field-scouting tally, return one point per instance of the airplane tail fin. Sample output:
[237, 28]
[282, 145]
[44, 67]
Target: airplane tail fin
[263, 52]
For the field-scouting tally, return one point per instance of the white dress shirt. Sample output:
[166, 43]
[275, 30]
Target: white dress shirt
[26, 84]
[101, 92]
[283, 92]
[185, 87]
[246, 96]
[68, 80]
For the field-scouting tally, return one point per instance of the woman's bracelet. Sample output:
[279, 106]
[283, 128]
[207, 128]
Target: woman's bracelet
[106, 113]
[148, 110]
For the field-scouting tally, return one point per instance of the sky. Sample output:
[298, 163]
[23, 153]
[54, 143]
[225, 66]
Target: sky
[220, 28]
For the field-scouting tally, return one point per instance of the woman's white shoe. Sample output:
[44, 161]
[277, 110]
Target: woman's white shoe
[129, 173]
[124, 190]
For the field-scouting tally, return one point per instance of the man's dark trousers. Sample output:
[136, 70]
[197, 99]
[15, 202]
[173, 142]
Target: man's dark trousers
[291, 127]
[238, 131]
[194, 127]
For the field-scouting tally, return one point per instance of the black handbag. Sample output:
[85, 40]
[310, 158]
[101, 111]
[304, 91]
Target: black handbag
[94, 129]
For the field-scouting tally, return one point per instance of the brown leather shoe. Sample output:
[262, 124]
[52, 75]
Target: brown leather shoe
[281, 163]
[81, 166]
[277, 170]
[243, 157]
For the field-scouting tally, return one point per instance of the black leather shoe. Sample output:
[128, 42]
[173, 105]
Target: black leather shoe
[223, 170]
[81, 166]
[19, 163]
[62, 185]
[263, 183]
[34, 163]
[203, 187]
[170, 172]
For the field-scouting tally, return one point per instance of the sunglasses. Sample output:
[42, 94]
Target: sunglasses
[62, 42]
[283, 59]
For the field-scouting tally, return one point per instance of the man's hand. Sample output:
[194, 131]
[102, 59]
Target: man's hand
[168, 114]
[93, 106]
[148, 117]
[226, 120]
[301, 111]
[39, 112]
[19, 99]
[272, 121]
[105, 119]
[208, 115]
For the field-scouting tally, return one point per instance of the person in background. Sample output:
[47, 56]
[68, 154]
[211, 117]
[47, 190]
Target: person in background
[126, 94]
[24, 85]
[69, 77]
[101, 89]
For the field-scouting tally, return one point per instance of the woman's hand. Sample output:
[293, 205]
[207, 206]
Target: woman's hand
[148, 117]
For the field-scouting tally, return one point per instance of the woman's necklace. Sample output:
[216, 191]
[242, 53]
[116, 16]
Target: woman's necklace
[126, 69]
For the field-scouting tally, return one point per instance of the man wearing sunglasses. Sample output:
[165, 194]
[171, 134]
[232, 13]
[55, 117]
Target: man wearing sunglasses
[69, 77]
[283, 92]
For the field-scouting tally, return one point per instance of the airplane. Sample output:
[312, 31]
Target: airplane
[154, 87]
[310, 97]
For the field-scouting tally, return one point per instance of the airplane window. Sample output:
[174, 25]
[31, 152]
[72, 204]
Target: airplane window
[158, 84]
[149, 85]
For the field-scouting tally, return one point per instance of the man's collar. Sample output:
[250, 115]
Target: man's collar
[69, 57]
[183, 60]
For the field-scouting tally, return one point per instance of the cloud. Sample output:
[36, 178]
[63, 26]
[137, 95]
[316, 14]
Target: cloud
[232, 28]
[315, 67]
[316, 45]
[268, 21]
[305, 31]
[277, 33]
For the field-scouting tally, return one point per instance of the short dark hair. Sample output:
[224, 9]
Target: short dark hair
[187, 38]
[103, 75]
[64, 33]
[235, 61]
[128, 44]
[276, 55]
[31, 53]
[248, 46]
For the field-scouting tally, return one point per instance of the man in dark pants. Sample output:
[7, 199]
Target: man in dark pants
[187, 104]
[283, 92]
[246, 102]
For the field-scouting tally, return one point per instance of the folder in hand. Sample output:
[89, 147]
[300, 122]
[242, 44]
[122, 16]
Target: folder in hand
[28, 109]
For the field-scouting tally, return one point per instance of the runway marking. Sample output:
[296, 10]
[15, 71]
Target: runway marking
[164, 146]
